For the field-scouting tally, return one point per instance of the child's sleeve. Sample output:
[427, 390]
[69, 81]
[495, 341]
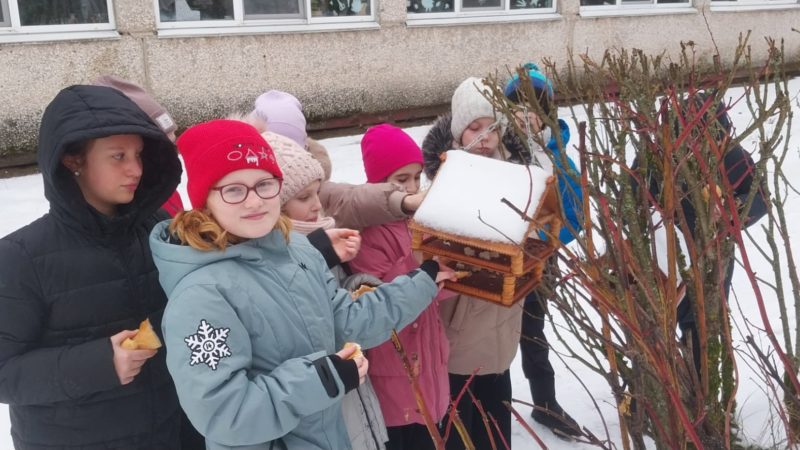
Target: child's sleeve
[363, 205]
[571, 194]
[370, 319]
[209, 356]
[36, 375]
[740, 170]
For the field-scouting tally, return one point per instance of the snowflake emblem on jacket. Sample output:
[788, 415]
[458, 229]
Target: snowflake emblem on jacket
[208, 345]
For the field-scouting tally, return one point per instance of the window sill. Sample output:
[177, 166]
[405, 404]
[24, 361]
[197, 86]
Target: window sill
[627, 11]
[11, 37]
[500, 17]
[266, 29]
[722, 6]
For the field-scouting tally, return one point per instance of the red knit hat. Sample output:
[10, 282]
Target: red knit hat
[214, 149]
[386, 148]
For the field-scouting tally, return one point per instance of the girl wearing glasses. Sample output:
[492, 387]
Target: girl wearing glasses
[255, 317]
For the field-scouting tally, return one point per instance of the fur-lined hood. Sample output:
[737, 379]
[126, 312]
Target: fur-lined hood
[440, 139]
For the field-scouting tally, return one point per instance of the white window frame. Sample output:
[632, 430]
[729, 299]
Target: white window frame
[752, 5]
[482, 15]
[240, 25]
[644, 8]
[16, 32]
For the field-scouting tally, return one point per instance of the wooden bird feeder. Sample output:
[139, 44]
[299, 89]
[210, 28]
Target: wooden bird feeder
[466, 223]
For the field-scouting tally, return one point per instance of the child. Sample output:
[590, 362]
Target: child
[533, 342]
[77, 282]
[481, 334]
[254, 315]
[157, 114]
[390, 155]
[352, 206]
[302, 176]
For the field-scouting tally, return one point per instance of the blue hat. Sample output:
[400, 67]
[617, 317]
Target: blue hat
[541, 84]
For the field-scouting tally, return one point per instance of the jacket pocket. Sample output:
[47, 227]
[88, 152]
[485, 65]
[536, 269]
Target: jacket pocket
[456, 312]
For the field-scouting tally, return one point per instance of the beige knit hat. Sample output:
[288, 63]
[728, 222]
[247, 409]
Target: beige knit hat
[469, 104]
[298, 166]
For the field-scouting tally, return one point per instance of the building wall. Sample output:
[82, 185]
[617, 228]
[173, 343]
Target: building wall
[344, 73]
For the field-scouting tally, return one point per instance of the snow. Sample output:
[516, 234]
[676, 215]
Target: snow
[582, 392]
[455, 203]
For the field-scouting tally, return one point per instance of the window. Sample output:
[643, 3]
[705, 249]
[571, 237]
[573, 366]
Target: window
[425, 12]
[31, 20]
[253, 13]
[419, 10]
[625, 7]
[722, 5]
[629, 2]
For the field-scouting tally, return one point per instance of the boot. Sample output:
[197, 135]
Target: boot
[549, 413]
[556, 419]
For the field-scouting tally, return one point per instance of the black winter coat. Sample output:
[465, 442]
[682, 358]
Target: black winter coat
[73, 278]
[739, 169]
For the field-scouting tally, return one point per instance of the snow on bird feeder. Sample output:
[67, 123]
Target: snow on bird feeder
[467, 219]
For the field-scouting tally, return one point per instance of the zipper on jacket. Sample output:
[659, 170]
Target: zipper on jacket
[369, 421]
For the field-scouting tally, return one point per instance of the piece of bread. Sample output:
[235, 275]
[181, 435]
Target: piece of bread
[145, 339]
[462, 274]
[364, 288]
[356, 353]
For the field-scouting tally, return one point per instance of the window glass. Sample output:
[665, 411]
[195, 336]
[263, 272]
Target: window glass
[481, 4]
[529, 4]
[4, 22]
[429, 6]
[262, 9]
[62, 12]
[340, 8]
[188, 10]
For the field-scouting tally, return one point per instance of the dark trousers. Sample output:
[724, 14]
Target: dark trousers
[491, 390]
[535, 350]
[412, 436]
[686, 319]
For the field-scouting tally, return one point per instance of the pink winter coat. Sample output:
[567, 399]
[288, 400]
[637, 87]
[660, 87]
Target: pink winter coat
[386, 253]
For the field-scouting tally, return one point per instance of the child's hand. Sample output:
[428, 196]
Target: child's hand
[445, 274]
[346, 242]
[361, 362]
[128, 363]
[411, 202]
[363, 367]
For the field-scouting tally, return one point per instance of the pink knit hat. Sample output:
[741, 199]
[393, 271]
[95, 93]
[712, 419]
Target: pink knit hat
[386, 148]
[283, 115]
[298, 166]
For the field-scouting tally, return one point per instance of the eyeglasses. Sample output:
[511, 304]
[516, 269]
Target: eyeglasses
[236, 193]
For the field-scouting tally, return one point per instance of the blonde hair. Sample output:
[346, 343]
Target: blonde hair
[200, 230]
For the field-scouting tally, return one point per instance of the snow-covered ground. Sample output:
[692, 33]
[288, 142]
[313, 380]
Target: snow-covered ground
[22, 200]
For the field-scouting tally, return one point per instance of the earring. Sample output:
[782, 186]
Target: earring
[77, 173]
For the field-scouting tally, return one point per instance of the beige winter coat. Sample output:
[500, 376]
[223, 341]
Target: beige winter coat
[481, 334]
